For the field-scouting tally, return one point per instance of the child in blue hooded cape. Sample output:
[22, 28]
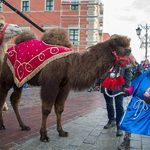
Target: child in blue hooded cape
[136, 118]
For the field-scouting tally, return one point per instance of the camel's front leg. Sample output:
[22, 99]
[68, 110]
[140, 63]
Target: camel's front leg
[15, 99]
[59, 108]
[48, 99]
[46, 110]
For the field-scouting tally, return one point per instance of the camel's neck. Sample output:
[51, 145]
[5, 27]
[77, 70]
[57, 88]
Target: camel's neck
[91, 65]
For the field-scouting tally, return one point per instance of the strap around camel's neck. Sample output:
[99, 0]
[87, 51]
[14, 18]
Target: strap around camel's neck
[114, 79]
[118, 58]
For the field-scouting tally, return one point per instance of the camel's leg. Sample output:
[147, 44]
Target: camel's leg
[15, 99]
[48, 99]
[3, 93]
[59, 108]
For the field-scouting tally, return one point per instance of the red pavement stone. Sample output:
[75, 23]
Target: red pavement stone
[77, 104]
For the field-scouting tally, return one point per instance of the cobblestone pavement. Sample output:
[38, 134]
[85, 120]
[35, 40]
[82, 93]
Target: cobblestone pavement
[84, 118]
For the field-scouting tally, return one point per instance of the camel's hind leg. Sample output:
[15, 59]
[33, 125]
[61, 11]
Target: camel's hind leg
[3, 93]
[59, 108]
[15, 99]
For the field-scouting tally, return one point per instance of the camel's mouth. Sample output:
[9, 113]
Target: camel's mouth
[123, 52]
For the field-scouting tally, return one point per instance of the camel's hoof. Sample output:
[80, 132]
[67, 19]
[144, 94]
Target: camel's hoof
[44, 139]
[63, 134]
[2, 127]
[25, 128]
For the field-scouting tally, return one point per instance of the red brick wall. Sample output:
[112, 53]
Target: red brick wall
[42, 18]
[37, 14]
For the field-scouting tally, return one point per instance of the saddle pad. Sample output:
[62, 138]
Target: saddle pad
[28, 58]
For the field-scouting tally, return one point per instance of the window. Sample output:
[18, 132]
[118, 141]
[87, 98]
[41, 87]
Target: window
[74, 5]
[25, 5]
[1, 7]
[49, 5]
[74, 36]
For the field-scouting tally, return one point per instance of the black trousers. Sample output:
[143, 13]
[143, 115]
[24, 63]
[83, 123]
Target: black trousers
[114, 112]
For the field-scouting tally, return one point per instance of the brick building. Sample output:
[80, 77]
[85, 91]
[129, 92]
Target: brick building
[83, 19]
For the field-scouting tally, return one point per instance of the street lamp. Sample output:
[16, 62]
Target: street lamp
[145, 40]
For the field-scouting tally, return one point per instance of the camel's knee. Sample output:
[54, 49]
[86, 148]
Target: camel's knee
[47, 107]
[59, 106]
[46, 112]
[59, 109]
[15, 98]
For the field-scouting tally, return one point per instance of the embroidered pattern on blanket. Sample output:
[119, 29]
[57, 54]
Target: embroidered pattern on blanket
[28, 58]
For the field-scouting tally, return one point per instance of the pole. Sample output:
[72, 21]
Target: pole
[146, 44]
[22, 15]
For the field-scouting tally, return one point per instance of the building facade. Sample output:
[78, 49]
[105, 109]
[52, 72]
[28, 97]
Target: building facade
[83, 19]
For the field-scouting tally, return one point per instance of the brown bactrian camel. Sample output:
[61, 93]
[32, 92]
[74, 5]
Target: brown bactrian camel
[75, 71]
[7, 32]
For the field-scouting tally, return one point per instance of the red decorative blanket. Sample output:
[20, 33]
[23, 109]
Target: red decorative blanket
[28, 58]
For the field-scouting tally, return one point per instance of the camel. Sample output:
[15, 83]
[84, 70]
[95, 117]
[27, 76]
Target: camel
[7, 32]
[75, 71]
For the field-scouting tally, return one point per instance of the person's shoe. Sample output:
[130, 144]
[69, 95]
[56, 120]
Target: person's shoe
[110, 124]
[90, 90]
[125, 145]
[119, 132]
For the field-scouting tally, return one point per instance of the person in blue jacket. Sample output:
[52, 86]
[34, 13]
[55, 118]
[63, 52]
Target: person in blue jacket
[136, 119]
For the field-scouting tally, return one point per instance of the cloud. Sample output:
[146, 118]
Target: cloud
[141, 5]
[129, 18]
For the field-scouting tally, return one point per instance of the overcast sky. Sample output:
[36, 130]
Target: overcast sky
[123, 17]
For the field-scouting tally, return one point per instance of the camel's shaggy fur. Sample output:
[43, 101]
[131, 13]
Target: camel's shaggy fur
[74, 71]
[27, 35]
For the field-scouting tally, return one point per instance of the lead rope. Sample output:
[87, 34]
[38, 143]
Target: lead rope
[113, 95]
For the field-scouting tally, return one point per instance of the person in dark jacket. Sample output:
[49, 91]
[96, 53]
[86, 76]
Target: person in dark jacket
[115, 113]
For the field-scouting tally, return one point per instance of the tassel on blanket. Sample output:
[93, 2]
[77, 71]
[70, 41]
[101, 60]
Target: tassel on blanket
[114, 80]
[114, 83]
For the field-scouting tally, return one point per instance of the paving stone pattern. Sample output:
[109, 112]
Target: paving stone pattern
[84, 118]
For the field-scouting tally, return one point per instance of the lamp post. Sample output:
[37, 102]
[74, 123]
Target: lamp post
[145, 40]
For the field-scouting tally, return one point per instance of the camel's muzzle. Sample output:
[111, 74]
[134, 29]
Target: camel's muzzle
[127, 51]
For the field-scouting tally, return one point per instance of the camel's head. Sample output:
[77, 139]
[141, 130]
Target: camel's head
[120, 47]
[9, 30]
[57, 36]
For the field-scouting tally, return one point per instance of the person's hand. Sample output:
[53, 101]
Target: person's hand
[128, 91]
